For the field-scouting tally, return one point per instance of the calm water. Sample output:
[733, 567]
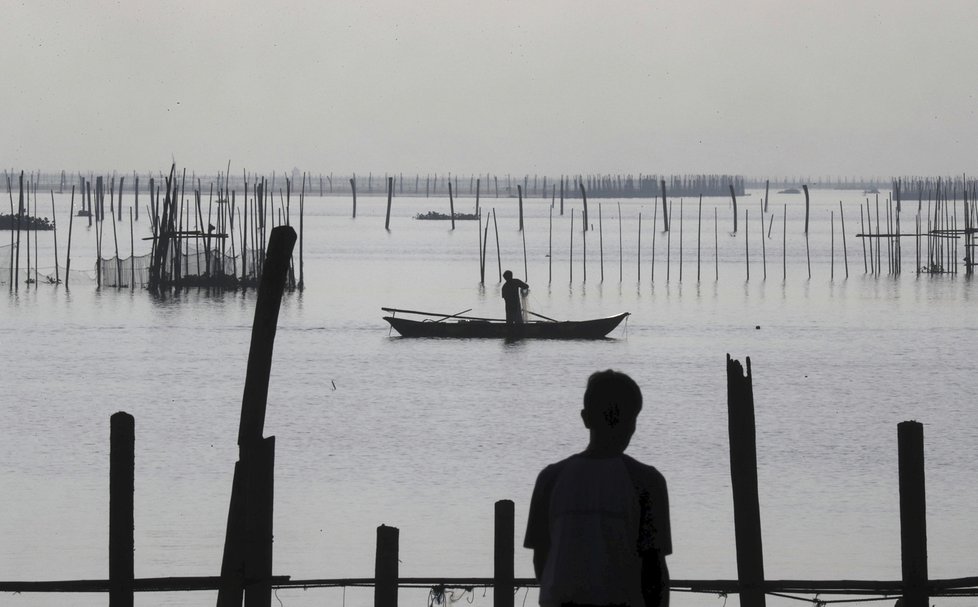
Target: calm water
[426, 434]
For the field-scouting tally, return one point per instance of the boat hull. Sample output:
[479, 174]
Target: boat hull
[572, 329]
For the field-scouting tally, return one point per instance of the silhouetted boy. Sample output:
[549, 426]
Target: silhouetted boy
[599, 520]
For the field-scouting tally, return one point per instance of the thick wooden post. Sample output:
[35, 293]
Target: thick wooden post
[913, 521]
[743, 477]
[121, 487]
[385, 567]
[503, 570]
[246, 569]
[519, 190]
[353, 189]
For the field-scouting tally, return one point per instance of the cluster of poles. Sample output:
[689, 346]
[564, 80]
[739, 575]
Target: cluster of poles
[937, 236]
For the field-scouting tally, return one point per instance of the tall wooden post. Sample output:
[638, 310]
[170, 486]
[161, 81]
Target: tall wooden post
[665, 211]
[121, 487]
[913, 518]
[743, 477]
[519, 190]
[385, 567]
[390, 195]
[451, 204]
[353, 188]
[503, 570]
[248, 540]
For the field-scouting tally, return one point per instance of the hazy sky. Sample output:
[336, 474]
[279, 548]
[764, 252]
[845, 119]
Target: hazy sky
[754, 87]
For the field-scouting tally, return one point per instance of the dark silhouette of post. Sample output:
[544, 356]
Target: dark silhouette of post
[665, 210]
[503, 570]
[913, 519]
[385, 567]
[390, 195]
[353, 189]
[743, 477]
[733, 196]
[584, 216]
[246, 569]
[121, 522]
[519, 190]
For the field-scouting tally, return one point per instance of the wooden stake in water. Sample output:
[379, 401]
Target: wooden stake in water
[550, 248]
[655, 215]
[570, 263]
[638, 257]
[716, 244]
[54, 223]
[862, 230]
[845, 253]
[668, 244]
[832, 247]
[499, 258]
[784, 244]
[353, 190]
[805, 187]
[665, 213]
[390, 196]
[601, 242]
[767, 188]
[451, 204]
[680, 240]
[71, 222]
[746, 241]
[584, 217]
[519, 190]
[763, 246]
[621, 262]
[699, 234]
[733, 196]
[526, 273]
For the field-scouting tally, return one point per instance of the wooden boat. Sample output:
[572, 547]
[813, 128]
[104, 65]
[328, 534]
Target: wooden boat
[459, 326]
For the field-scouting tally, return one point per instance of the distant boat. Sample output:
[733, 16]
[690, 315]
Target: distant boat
[457, 326]
[871, 191]
[790, 191]
[442, 216]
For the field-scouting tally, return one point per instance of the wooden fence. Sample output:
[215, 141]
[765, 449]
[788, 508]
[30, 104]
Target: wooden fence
[246, 572]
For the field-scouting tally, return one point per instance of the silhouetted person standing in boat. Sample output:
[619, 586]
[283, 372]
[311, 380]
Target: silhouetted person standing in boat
[511, 295]
[599, 520]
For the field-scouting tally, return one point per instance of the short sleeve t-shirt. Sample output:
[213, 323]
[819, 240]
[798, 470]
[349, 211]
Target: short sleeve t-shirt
[597, 517]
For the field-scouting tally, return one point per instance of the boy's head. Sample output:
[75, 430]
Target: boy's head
[612, 402]
[507, 274]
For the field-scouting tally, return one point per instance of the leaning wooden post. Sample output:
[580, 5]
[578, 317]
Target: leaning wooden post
[385, 567]
[733, 196]
[390, 194]
[913, 520]
[519, 190]
[71, 222]
[121, 487]
[248, 540]
[584, 212]
[503, 570]
[665, 211]
[353, 189]
[743, 477]
[451, 204]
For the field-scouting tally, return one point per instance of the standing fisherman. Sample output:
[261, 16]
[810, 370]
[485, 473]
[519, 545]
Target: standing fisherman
[511, 295]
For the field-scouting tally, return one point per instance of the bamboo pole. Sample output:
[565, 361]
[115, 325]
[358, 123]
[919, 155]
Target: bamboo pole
[526, 274]
[621, 253]
[570, 263]
[845, 251]
[550, 248]
[353, 190]
[665, 214]
[601, 242]
[767, 187]
[746, 242]
[71, 221]
[716, 244]
[584, 217]
[832, 246]
[638, 256]
[655, 215]
[668, 219]
[763, 246]
[784, 244]
[699, 236]
[862, 229]
[132, 252]
[680, 240]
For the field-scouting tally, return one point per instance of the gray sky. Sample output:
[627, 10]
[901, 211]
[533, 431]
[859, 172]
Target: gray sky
[754, 87]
